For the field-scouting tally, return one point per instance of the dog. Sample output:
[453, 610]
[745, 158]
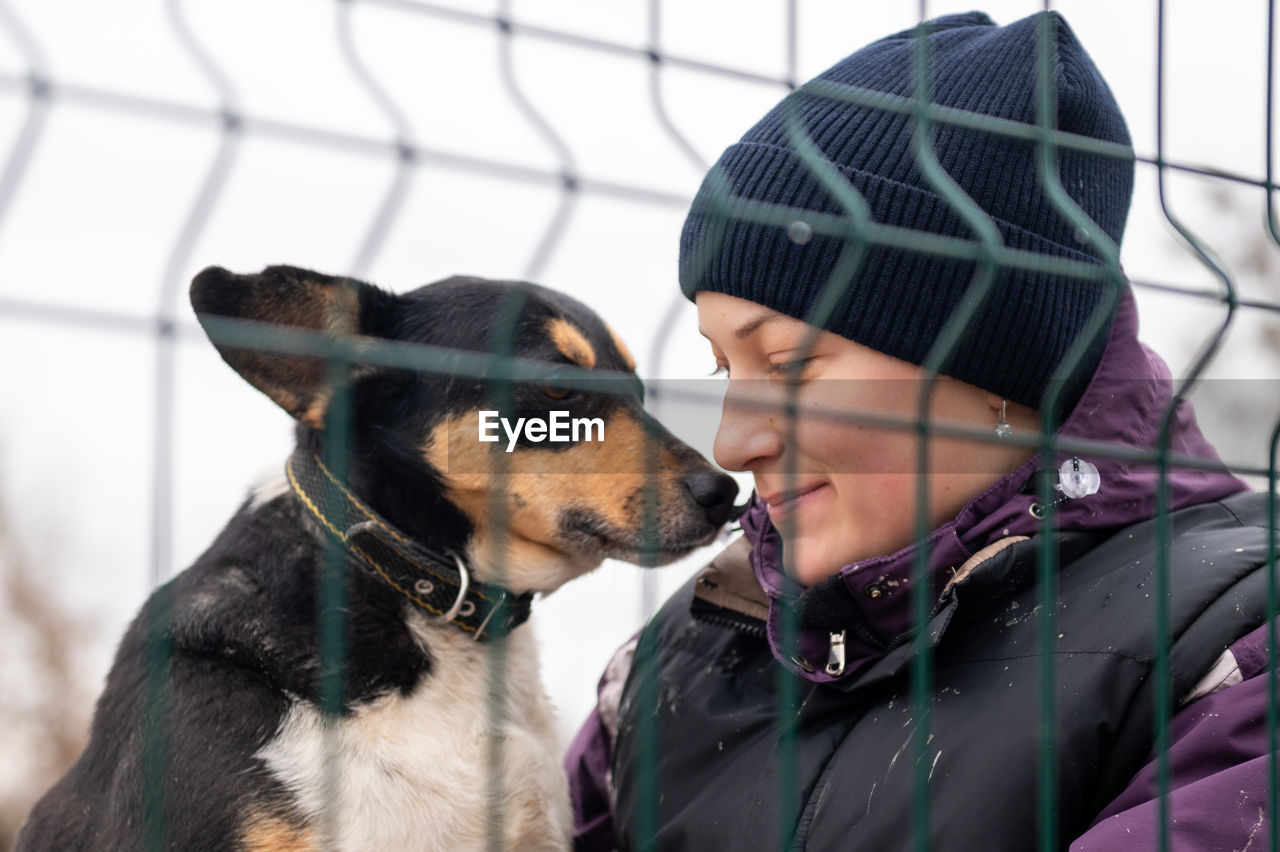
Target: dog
[225, 724]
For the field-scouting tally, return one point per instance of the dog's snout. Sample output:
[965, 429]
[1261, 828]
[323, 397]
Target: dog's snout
[714, 492]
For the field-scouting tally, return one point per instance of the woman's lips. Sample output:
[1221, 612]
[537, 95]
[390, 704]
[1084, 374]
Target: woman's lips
[785, 502]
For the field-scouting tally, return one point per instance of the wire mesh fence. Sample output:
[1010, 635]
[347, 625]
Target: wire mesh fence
[400, 141]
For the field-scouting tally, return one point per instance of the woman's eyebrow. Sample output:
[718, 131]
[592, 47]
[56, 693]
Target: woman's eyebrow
[749, 327]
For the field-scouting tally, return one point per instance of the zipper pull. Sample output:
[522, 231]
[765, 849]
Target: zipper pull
[835, 657]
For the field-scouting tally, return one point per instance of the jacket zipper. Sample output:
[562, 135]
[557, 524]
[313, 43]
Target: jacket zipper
[734, 621]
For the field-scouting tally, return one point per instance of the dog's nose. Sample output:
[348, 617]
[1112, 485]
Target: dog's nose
[714, 492]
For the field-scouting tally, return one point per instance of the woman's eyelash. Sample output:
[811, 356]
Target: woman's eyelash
[787, 367]
[781, 369]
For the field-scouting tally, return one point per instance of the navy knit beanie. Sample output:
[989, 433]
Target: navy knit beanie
[898, 300]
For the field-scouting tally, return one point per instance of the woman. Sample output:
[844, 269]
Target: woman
[812, 610]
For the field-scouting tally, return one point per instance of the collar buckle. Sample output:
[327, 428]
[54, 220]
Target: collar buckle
[375, 530]
[464, 584]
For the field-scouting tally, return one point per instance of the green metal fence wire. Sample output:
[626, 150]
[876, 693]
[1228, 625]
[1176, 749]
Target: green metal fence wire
[1162, 590]
[406, 155]
[37, 107]
[405, 145]
[1273, 484]
[1273, 655]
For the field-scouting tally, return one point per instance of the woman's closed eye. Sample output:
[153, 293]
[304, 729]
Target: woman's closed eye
[794, 368]
[780, 370]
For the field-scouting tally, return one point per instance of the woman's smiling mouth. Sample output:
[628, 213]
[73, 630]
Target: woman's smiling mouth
[782, 503]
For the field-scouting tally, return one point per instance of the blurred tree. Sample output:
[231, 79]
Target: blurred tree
[45, 695]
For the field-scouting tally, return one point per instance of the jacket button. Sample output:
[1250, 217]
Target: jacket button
[875, 590]
[802, 663]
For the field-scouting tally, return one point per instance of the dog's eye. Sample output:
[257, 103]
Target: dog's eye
[555, 392]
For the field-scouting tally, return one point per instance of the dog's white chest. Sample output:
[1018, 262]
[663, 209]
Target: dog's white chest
[412, 772]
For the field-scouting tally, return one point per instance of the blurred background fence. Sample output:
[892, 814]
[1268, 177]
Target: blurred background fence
[404, 141]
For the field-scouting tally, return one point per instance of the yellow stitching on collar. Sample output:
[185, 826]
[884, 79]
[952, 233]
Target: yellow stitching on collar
[364, 510]
[368, 513]
[315, 510]
[394, 533]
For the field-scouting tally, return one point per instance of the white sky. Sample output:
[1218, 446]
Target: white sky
[108, 188]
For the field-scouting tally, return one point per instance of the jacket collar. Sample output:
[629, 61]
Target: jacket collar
[1124, 404]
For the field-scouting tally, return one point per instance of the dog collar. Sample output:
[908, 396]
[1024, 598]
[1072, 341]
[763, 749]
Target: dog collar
[438, 583]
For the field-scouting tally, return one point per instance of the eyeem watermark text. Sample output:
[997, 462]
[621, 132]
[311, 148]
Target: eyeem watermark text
[558, 428]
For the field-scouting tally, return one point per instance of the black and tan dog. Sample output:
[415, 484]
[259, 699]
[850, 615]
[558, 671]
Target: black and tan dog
[249, 757]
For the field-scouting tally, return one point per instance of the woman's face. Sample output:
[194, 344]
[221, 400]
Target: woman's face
[842, 492]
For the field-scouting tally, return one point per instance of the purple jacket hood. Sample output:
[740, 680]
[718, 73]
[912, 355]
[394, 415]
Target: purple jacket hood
[1124, 404]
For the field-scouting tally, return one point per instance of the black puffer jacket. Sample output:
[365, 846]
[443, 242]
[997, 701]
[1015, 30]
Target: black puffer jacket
[705, 689]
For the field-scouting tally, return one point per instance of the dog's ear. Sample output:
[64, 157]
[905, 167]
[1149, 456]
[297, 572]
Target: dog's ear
[292, 297]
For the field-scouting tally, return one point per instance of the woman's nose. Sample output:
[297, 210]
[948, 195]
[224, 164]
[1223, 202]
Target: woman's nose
[750, 426]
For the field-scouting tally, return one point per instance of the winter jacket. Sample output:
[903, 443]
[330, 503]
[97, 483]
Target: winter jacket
[1216, 743]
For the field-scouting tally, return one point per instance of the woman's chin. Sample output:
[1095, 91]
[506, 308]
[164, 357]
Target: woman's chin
[807, 562]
